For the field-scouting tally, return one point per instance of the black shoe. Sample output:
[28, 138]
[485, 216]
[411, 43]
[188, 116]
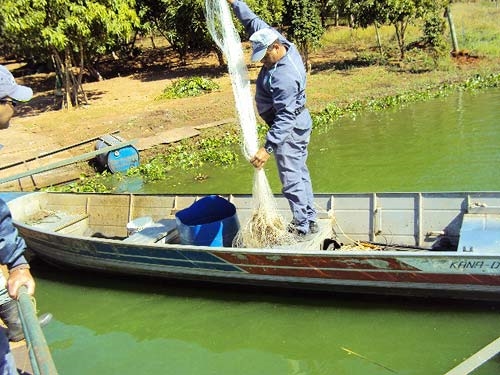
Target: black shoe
[313, 227]
[303, 236]
[44, 319]
[299, 233]
[291, 227]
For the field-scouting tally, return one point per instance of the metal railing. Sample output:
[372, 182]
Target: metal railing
[39, 353]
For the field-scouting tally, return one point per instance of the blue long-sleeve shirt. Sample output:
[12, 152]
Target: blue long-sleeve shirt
[280, 90]
[12, 246]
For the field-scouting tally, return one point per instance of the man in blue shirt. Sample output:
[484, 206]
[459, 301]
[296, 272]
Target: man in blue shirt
[12, 246]
[281, 102]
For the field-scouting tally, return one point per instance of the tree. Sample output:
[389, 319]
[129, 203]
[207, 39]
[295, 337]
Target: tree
[399, 13]
[303, 24]
[180, 22]
[334, 9]
[270, 11]
[67, 33]
[326, 8]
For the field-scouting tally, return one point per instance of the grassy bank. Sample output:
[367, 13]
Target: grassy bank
[351, 75]
[359, 72]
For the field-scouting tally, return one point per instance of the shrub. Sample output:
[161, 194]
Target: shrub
[186, 87]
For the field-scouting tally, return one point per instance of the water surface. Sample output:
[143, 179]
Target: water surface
[447, 144]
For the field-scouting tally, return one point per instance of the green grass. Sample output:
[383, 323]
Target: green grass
[365, 38]
[356, 71]
[478, 27]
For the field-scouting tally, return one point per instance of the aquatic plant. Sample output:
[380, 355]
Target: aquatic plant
[186, 87]
[333, 112]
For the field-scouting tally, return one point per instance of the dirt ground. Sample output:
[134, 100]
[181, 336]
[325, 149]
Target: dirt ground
[125, 101]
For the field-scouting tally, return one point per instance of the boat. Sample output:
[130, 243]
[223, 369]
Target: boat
[427, 244]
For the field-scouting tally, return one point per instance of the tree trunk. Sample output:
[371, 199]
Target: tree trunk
[379, 43]
[400, 27]
[80, 76]
[67, 85]
[454, 41]
[307, 61]
[58, 90]
[94, 73]
[304, 52]
[220, 57]
[151, 37]
[67, 79]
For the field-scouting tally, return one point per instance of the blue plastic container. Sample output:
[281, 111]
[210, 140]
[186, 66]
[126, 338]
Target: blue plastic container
[210, 221]
[119, 160]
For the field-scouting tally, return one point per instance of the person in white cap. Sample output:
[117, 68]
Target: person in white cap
[10, 93]
[281, 102]
[12, 246]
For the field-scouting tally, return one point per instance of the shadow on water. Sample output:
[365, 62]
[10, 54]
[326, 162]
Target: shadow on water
[220, 292]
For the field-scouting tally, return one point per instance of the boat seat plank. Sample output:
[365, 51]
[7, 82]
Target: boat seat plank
[59, 221]
[161, 229]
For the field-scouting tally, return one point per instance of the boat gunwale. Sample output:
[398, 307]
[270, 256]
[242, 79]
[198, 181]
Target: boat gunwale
[405, 251]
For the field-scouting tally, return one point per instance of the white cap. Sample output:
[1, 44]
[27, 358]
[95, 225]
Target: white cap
[261, 40]
[9, 87]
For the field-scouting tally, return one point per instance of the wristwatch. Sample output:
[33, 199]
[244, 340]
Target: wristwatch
[269, 148]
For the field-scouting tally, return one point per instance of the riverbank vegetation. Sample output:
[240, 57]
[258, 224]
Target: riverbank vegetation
[76, 38]
[219, 147]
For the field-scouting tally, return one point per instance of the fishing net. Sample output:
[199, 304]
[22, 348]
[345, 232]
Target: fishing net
[265, 227]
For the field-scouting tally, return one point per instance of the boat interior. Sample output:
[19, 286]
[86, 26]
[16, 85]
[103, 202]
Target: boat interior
[427, 221]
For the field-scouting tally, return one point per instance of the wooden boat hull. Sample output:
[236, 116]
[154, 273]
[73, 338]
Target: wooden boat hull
[410, 268]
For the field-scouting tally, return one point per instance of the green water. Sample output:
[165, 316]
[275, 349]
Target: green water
[107, 326]
[445, 144]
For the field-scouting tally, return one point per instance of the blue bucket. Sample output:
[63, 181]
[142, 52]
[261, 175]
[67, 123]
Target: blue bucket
[210, 221]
